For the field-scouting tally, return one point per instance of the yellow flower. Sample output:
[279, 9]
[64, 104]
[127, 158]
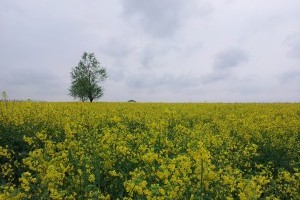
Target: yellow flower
[28, 140]
[92, 178]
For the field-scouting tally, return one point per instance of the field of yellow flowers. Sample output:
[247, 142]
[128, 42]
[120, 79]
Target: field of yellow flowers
[149, 151]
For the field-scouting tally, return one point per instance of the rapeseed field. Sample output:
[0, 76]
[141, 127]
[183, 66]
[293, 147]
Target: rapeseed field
[149, 151]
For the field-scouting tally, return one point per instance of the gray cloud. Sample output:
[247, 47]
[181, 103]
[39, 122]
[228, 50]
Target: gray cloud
[163, 18]
[116, 47]
[290, 77]
[293, 43]
[150, 55]
[36, 84]
[116, 74]
[159, 18]
[23, 77]
[223, 62]
[169, 81]
[229, 58]
[215, 76]
[167, 48]
[295, 51]
[147, 56]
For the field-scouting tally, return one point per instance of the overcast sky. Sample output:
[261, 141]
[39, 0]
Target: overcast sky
[158, 50]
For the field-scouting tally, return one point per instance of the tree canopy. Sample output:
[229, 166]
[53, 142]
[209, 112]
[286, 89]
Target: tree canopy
[86, 78]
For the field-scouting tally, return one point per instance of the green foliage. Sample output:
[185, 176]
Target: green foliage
[86, 77]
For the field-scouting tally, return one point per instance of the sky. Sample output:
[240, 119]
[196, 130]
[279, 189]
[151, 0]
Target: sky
[154, 51]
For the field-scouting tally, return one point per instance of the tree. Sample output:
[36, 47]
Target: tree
[86, 78]
[4, 96]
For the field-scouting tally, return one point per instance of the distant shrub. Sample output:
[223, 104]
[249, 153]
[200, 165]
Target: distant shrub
[131, 100]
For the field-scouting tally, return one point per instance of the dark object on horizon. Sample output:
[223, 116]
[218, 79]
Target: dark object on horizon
[131, 100]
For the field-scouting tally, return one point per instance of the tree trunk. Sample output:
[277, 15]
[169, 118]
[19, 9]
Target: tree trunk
[91, 99]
